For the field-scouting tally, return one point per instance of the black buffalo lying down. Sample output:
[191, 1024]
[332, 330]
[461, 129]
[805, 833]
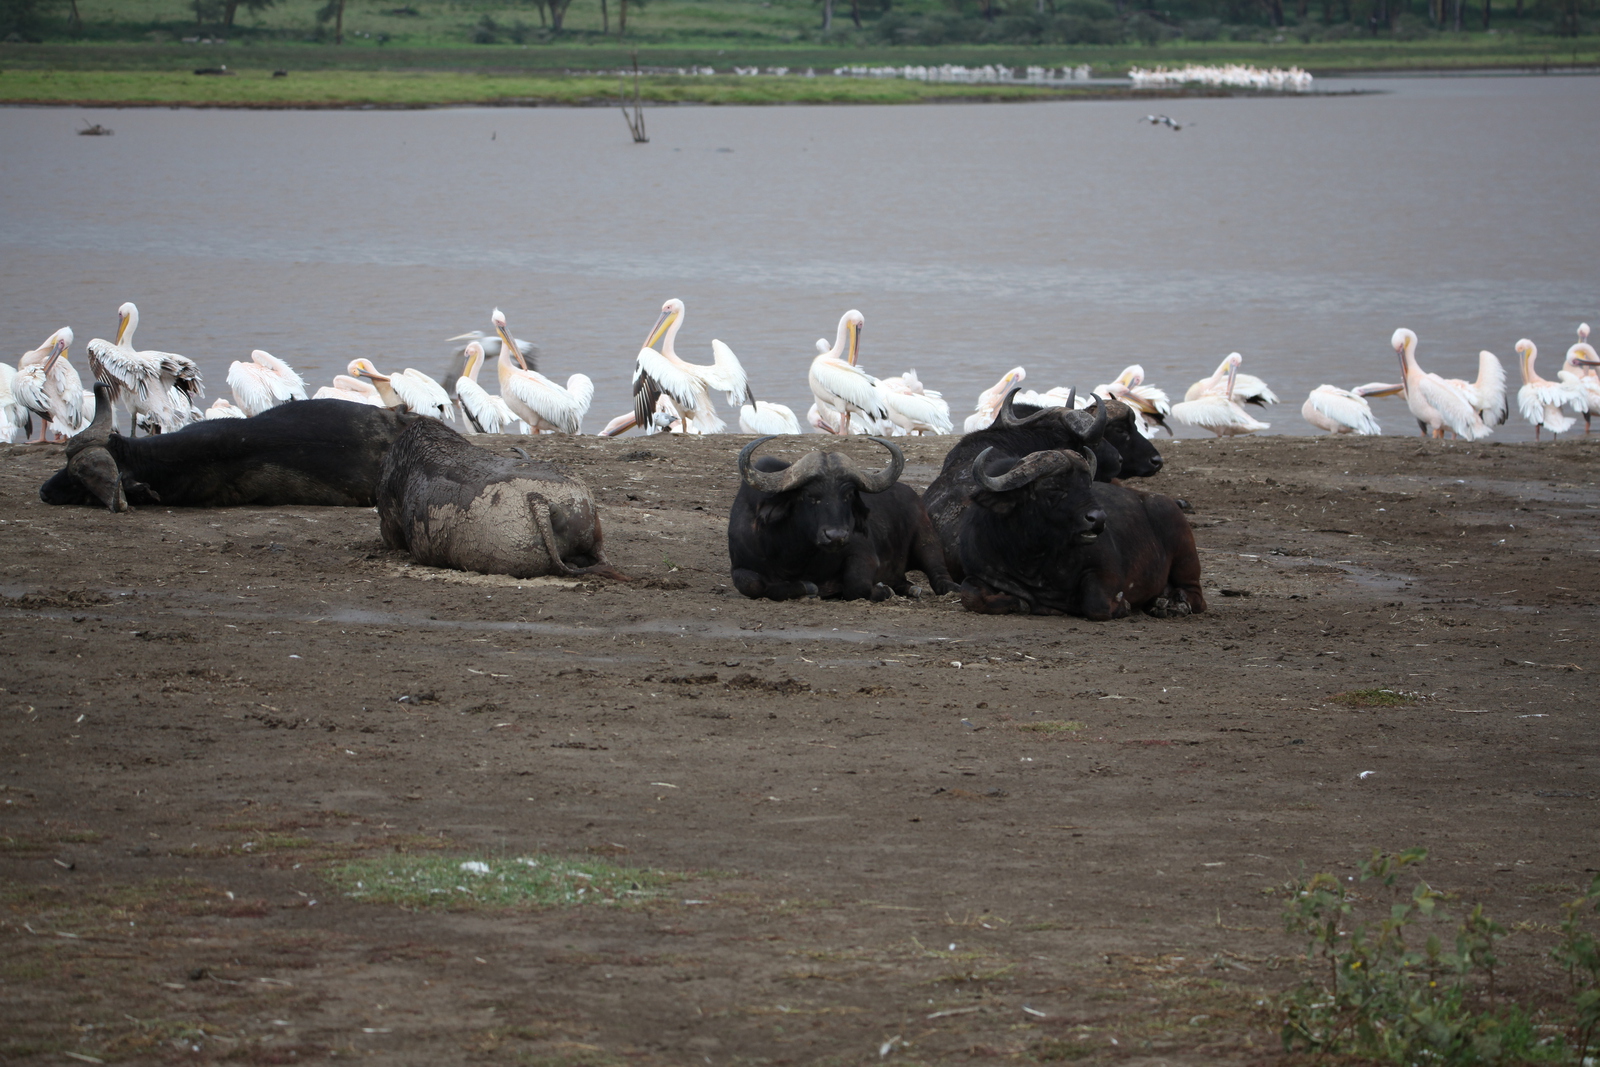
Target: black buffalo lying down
[1042, 537]
[453, 504]
[315, 452]
[824, 527]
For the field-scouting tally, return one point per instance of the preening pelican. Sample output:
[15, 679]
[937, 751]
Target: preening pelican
[221, 409]
[841, 387]
[147, 383]
[912, 408]
[48, 385]
[263, 383]
[1540, 399]
[1487, 393]
[1436, 403]
[410, 389]
[687, 385]
[767, 419]
[1578, 374]
[483, 411]
[13, 415]
[1150, 405]
[1215, 409]
[989, 400]
[351, 389]
[1346, 410]
[1246, 388]
[535, 399]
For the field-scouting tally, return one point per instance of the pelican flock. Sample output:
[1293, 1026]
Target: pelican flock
[43, 398]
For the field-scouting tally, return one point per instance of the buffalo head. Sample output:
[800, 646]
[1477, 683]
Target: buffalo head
[819, 493]
[1052, 488]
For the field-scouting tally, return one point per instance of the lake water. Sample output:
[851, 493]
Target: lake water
[1068, 237]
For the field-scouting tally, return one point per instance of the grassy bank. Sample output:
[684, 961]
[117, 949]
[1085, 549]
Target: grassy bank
[258, 88]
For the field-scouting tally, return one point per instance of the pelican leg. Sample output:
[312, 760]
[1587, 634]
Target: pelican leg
[844, 423]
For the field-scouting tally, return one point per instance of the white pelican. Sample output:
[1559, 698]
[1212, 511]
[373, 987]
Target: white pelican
[1246, 388]
[485, 412]
[145, 382]
[1217, 410]
[687, 385]
[839, 385]
[12, 414]
[221, 409]
[535, 399]
[410, 389]
[913, 409]
[764, 418]
[1578, 374]
[48, 385]
[265, 382]
[1540, 399]
[989, 400]
[1150, 405]
[491, 348]
[1346, 410]
[1487, 394]
[350, 389]
[1436, 403]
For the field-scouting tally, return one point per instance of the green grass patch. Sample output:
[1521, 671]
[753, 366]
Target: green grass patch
[463, 882]
[1053, 726]
[1376, 698]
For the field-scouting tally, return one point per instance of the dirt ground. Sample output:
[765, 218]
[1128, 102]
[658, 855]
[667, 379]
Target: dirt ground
[892, 855]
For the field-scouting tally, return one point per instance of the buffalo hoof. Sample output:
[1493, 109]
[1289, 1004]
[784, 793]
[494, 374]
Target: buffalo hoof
[810, 588]
[1167, 609]
[914, 592]
[880, 592]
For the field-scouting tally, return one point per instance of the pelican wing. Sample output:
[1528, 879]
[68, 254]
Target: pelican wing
[482, 410]
[727, 374]
[1217, 414]
[1343, 408]
[422, 394]
[1455, 412]
[1489, 391]
[764, 418]
[1252, 390]
[28, 389]
[917, 411]
[118, 369]
[252, 390]
[840, 386]
[655, 376]
[552, 405]
[65, 390]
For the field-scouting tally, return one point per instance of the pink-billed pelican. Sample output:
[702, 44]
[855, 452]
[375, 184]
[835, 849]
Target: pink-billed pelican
[1540, 399]
[1346, 410]
[841, 387]
[353, 390]
[221, 409]
[1436, 404]
[912, 408]
[148, 384]
[483, 412]
[989, 400]
[1215, 408]
[48, 386]
[1150, 405]
[1244, 388]
[410, 389]
[687, 385]
[535, 399]
[765, 418]
[1578, 374]
[265, 382]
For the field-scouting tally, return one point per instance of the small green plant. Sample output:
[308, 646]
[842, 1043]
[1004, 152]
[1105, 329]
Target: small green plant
[539, 881]
[1579, 953]
[1375, 698]
[1392, 992]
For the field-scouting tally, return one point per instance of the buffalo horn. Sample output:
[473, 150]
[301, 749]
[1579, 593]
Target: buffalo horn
[793, 476]
[1098, 430]
[1032, 467]
[98, 432]
[1008, 417]
[882, 478]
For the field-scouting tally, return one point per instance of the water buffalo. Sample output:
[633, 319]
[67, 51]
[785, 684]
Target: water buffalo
[453, 504]
[1042, 537]
[1136, 455]
[824, 527]
[318, 452]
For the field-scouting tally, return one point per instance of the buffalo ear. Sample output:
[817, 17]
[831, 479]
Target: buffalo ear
[774, 508]
[999, 503]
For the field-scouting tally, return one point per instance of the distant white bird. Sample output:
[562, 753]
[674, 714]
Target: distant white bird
[1487, 393]
[840, 387]
[687, 385]
[491, 347]
[764, 418]
[483, 411]
[1150, 405]
[535, 399]
[1436, 404]
[1540, 400]
[144, 382]
[221, 409]
[13, 416]
[265, 382]
[1245, 388]
[48, 386]
[989, 400]
[349, 389]
[1346, 410]
[410, 388]
[912, 408]
[1578, 374]
[1215, 408]
[1161, 120]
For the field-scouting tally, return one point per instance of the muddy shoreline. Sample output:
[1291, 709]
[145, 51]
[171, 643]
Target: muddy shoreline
[201, 715]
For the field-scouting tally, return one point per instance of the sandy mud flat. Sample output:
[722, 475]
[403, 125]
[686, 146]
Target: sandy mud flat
[906, 833]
